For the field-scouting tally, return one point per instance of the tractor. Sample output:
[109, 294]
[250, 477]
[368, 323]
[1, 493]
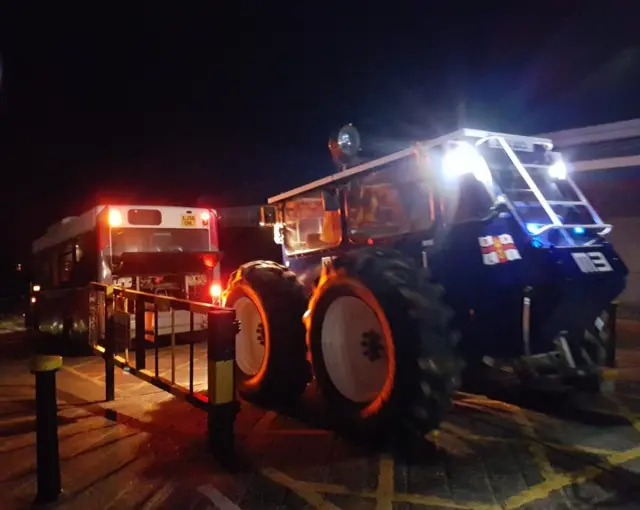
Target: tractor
[404, 272]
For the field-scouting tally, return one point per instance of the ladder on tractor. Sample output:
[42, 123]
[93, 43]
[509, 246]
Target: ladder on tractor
[555, 222]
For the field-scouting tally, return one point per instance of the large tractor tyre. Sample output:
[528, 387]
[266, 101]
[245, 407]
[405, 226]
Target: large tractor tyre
[381, 348]
[271, 356]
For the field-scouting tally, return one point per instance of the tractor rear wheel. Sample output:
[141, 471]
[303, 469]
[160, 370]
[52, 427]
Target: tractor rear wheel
[381, 348]
[270, 349]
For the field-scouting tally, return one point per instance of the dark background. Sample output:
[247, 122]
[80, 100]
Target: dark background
[198, 101]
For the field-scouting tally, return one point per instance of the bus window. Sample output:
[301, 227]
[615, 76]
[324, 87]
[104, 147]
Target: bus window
[145, 240]
[79, 251]
[161, 241]
[144, 217]
[43, 271]
[55, 267]
[66, 264]
[84, 267]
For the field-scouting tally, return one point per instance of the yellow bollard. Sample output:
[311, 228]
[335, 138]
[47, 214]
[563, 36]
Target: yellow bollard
[223, 406]
[47, 452]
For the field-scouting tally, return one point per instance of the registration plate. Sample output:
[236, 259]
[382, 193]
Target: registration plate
[188, 220]
[196, 279]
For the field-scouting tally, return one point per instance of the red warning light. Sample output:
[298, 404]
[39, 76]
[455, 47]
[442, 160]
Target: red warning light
[215, 290]
[115, 218]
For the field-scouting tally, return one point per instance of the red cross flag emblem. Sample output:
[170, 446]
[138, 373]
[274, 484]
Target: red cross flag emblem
[498, 249]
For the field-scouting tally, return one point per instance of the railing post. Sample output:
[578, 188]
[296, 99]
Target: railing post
[173, 346]
[223, 406]
[47, 452]
[109, 364]
[613, 335]
[141, 355]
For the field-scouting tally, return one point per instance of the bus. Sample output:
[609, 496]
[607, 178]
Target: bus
[165, 250]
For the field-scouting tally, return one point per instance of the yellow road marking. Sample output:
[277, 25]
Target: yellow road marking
[417, 499]
[569, 448]
[219, 500]
[626, 412]
[82, 376]
[398, 497]
[554, 481]
[300, 488]
[385, 491]
[544, 489]
[159, 497]
[385, 495]
[264, 422]
[466, 434]
[537, 450]
[332, 488]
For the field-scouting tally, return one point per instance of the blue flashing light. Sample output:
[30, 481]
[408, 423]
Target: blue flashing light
[578, 230]
[533, 228]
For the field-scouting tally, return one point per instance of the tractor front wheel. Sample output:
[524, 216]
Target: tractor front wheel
[270, 349]
[380, 345]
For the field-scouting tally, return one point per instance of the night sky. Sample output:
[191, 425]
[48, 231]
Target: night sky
[201, 101]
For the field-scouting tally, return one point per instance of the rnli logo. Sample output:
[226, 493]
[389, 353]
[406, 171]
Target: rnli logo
[498, 249]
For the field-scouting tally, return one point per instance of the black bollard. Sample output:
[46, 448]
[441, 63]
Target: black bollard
[109, 363]
[223, 406]
[48, 456]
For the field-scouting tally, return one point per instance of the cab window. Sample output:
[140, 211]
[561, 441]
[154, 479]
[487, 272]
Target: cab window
[472, 201]
[392, 201]
[307, 226]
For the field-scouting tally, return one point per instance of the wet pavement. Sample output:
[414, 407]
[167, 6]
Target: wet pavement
[500, 448]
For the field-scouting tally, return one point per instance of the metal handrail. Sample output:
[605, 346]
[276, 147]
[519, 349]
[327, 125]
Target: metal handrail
[547, 204]
[147, 297]
[542, 230]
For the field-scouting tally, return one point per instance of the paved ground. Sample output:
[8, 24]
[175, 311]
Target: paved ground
[146, 450]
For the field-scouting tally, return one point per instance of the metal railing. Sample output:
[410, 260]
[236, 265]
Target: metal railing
[556, 222]
[112, 313]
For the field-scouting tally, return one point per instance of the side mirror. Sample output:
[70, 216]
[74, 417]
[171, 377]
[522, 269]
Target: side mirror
[268, 215]
[330, 201]
[278, 233]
